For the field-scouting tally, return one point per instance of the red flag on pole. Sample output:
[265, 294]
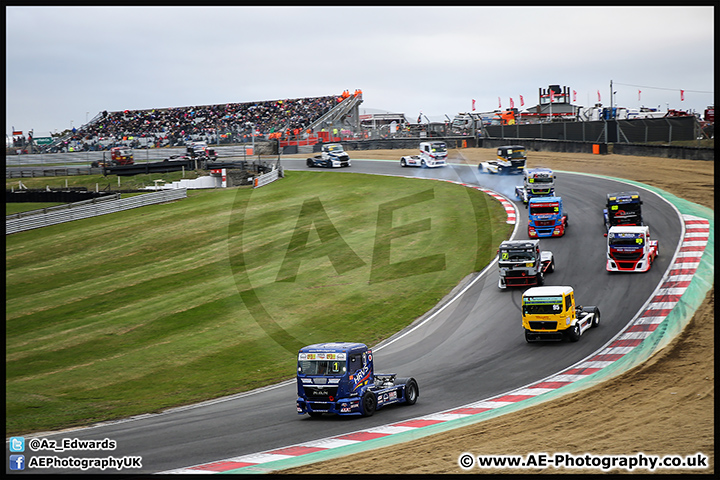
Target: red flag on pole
[682, 95]
[599, 100]
[639, 92]
[499, 103]
[473, 105]
[522, 102]
[512, 104]
[552, 95]
[574, 95]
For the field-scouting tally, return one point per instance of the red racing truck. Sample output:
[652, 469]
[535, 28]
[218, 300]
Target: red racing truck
[629, 249]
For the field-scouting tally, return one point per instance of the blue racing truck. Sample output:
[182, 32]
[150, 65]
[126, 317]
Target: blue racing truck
[546, 217]
[339, 378]
[623, 209]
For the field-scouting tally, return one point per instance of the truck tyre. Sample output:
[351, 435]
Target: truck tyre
[574, 333]
[596, 318]
[402, 162]
[551, 268]
[369, 404]
[422, 164]
[528, 336]
[309, 162]
[412, 392]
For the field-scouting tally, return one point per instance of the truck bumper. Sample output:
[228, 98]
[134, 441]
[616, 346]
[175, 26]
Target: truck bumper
[434, 164]
[613, 265]
[518, 281]
[545, 336]
[343, 406]
[541, 232]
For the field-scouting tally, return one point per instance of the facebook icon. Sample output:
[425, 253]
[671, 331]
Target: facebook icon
[17, 462]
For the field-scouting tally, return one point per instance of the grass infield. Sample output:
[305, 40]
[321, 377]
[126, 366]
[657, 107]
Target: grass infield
[172, 304]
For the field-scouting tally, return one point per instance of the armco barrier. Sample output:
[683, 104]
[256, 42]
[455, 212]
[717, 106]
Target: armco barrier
[86, 211]
[266, 178]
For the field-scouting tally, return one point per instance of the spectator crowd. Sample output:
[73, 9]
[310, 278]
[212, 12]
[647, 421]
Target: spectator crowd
[175, 125]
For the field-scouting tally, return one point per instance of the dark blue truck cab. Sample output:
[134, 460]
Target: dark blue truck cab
[339, 378]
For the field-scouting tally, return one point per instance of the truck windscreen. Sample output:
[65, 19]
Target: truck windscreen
[625, 240]
[515, 256]
[544, 209]
[542, 309]
[542, 305]
[321, 367]
[543, 179]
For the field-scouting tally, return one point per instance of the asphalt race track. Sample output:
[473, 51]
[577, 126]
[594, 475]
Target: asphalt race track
[472, 350]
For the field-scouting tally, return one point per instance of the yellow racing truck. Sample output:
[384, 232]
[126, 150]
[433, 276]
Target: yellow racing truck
[549, 313]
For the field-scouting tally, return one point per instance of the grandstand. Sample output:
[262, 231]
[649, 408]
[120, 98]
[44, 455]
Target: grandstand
[289, 119]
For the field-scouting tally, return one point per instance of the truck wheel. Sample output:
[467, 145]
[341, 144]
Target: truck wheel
[422, 164]
[310, 163]
[540, 279]
[574, 333]
[402, 162]
[369, 403]
[596, 318]
[528, 337]
[552, 266]
[412, 392]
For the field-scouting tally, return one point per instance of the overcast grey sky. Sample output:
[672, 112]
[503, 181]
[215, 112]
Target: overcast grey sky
[66, 64]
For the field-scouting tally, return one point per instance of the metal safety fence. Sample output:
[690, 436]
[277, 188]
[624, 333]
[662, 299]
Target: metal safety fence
[88, 210]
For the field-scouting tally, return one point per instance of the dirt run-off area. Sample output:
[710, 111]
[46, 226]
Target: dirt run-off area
[664, 407]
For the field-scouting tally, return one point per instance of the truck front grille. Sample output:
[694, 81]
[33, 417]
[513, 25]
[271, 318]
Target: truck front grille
[538, 325]
[320, 394]
[627, 256]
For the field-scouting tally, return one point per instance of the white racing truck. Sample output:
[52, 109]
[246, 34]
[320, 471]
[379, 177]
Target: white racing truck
[332, 155]
[629, 249]
[521, 263]
[432, 154]
[537, 182]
